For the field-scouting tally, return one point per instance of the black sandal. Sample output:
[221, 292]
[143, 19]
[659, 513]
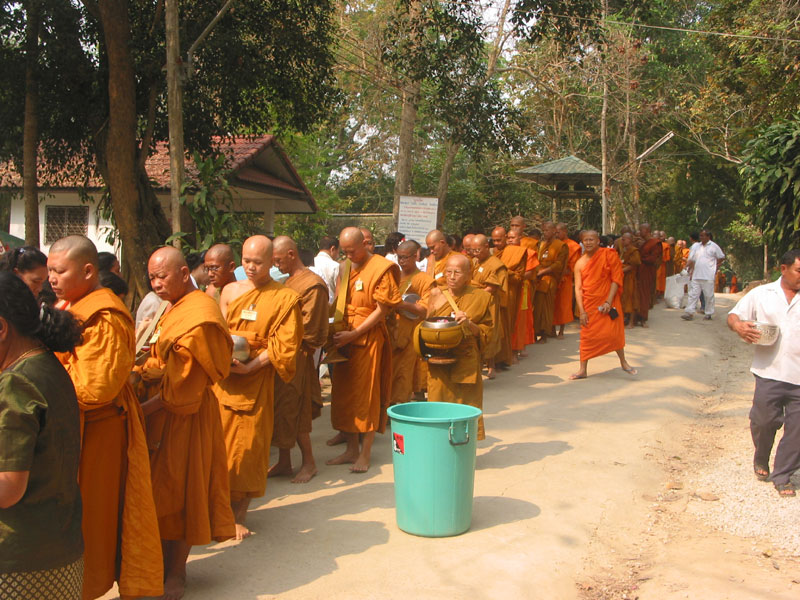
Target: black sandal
[786, 490]
[762, 472]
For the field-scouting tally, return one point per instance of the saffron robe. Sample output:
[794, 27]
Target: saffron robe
[630, 294]
[299, 400]
[551, 254]
[563, 312]
[651, 255]
[523, 328]
[191, 351]
[493, 272]
[462, 382]
[681, 256]
[404, 357]
[515, 258]
[436, 268]
[361, 386]
[120, 529]
[661, 281]
[529, 243]
[602, 334]
[246, 402]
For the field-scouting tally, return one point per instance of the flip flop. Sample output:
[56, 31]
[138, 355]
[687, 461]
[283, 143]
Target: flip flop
[786, 490]
[630, 371]
[762, 473]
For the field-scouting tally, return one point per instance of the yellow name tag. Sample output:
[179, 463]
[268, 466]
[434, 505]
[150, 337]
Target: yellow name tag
[480, 269]
[359, 285]
[248, 315]
[438, 275]
[154, 337]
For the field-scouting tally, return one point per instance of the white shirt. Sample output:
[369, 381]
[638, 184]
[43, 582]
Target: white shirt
[328, 269]
[392, 257]
[767, 303]
[705, 260]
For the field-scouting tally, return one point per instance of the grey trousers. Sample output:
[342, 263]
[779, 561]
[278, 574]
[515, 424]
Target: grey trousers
[776, 404]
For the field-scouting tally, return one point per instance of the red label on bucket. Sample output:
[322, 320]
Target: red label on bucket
[398, 444]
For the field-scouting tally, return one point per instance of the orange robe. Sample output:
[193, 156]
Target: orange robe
[515, 258]
[681, 256]
[190, 351]
[523, 328]
[404, 357]
[361, 386]
[603, 334]
[630, 295]
[734, 285]
[551, 254]
[563, 312]
[651, 256]
[120, 529]
[493, 272]
[661, 281]
[529, 243]
[299, 400]
[462, 381]
[436, 268]
[246, 402]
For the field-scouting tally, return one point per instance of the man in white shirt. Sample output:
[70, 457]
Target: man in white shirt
[704, 260]
[326, 265]
[776, 367]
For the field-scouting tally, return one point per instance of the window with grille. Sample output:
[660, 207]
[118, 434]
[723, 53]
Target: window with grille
[61, 221]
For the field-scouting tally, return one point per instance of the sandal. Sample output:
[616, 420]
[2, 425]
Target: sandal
[786, 490]
[762, 473]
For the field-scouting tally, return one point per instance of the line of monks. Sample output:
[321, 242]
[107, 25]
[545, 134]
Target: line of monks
[176, 433]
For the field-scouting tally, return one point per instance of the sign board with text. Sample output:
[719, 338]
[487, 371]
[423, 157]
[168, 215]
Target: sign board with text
[417, 217]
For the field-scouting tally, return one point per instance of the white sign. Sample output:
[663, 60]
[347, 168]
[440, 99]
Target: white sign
[417, 217]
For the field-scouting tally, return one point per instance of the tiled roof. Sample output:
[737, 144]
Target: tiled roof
[571, 165]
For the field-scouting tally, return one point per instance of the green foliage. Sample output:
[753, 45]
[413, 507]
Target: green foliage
[771, 179]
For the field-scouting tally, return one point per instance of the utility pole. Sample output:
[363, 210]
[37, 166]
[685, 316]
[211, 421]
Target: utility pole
[175, 113]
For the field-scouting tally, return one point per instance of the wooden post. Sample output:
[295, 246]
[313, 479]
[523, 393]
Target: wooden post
[175, 113]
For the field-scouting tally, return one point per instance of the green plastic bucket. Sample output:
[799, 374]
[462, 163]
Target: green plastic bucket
[433, 449]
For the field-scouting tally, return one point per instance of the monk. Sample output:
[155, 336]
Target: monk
[190, 351]
[734, 285]
[661, 273]
[297, 401]
[670, 260]
[268, 316]
[219, 264]
[523, 333]
[462, 382]
[681, 255]
[120, 529]
[515, 258]
[552, 255]
[563, 312]
[629, 257]
[467, 243]
[650, 253]
[598, 279]
[437, 259]
[617, 242]
[490, 274]
[518, 224]
[406, 316]
[361, 385]
[369, 241]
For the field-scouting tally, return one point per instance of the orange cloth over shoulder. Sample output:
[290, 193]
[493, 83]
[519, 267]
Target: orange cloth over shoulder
[523, 326]
[436, 268]
[563, 312]
[120, 529]
[492, 272]
[603, 334]
[191, 352]
[404, 357]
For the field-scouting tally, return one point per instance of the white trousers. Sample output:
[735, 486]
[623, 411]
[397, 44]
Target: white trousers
[695, 287]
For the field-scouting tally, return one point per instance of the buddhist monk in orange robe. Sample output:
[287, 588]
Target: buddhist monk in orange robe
[461, 382]
[552, 255]
[598, 281]
[734, 285]
[490, 274]
[563, 312]
[669, 259]
[268, 316]
[190, 351]
[361, 385]
[404, 357]
[681, 255]
[661, 273]
[437, 259]
[120, 529]
[296, 400]
[515, 258]
[523, 333]
[651, 255]
[629, 257]
[219, 264]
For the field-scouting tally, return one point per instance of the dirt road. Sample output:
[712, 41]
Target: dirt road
[587, 489]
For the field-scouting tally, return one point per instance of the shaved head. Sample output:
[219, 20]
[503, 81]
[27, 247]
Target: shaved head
[480, 240]
[77, 248]
[169, 274]
[221, 252]
[72, 268]
[437, 244]
[351, 234]
[435, 236]
[353, 245]
[169, 256]
[283, 243]
[286, 255]
[408, 246]
[369, 240]
[458, 272]
[499, 231]
[499, 238]
[257, 259]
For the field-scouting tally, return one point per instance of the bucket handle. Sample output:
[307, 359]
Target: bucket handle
[466, 433]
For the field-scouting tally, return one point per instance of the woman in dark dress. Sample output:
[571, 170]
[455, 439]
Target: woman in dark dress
[41, 547]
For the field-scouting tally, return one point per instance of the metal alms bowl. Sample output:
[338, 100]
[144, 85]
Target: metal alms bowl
[769, 333]
[442, 333]
[241, 348]
[412, 299]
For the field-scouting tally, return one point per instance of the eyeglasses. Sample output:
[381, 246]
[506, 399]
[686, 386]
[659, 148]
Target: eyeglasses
[211, 268]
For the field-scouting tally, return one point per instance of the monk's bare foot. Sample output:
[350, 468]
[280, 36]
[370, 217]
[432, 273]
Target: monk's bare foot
[490, 374]
[542, 339]
[344, 458]
[578, 375]
[174, 587]
[339, 438]
[242, 531]
[645, 325]
[360, 466]
[305, 474]
[560, 335]
[523, 354]
[280, 469]
[629, 370]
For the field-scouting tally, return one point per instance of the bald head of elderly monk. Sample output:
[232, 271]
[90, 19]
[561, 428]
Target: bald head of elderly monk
[220, 265]
[458, 273]
[499, 238]
[169, 274]
[72, 268]
[437, 244]
[353, 245]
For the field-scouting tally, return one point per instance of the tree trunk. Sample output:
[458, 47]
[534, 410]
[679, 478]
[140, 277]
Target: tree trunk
[408, 120]
[604, 136]
[135, 224]
[30, 143]
[444, 180]
[175, 113]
